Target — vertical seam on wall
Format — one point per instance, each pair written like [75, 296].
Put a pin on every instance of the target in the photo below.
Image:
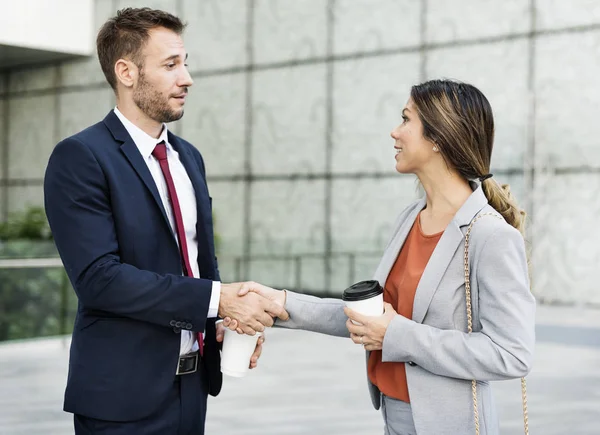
[530, 160]
[57, 98]
[57, 111]
[178, 126]
[423, 49]
[329, 66]
[247, 215]
[4, 139]
[530, 156]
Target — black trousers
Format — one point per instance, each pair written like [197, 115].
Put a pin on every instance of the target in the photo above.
[183, 413]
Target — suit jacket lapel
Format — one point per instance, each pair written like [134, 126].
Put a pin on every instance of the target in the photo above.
[136, 160]
[204, 217]
[444, 252]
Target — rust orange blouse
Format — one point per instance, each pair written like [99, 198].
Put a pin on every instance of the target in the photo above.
[399, 290]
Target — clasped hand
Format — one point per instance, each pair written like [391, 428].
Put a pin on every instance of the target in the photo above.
[248, 308]
[248, 289]
[370, 330]
[251, 310]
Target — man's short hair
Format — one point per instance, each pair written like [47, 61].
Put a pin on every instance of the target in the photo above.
[124, 36]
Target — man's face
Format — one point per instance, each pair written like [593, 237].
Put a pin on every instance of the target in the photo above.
[163, 80]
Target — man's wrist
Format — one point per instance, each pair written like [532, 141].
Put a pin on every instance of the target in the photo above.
[215, 299]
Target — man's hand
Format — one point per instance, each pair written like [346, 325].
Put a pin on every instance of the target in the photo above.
[257, 351]
[220, 331]
[276, 296]
[252, 312]
[371, 329]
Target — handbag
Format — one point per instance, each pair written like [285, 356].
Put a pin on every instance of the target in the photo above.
[470, 328]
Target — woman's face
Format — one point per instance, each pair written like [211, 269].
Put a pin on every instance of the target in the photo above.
[413, 151]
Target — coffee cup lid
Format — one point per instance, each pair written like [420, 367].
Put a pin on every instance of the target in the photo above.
[362, 290]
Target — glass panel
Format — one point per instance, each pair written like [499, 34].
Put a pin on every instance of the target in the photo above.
[35, 302]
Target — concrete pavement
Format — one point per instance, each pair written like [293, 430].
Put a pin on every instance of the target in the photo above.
[309, 383]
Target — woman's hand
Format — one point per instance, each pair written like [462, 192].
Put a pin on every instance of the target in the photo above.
[277, 296]
[370, 330]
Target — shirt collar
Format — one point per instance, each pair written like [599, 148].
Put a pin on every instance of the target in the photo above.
[142, 140]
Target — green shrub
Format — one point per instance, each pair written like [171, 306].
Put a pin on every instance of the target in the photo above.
[30, 225]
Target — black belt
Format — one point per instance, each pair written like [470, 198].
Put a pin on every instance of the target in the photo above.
[188, 363]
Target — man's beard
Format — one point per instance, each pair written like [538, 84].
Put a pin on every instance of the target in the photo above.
[153, 103]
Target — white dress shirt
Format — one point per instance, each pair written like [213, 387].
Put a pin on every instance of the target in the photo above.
[187, 203]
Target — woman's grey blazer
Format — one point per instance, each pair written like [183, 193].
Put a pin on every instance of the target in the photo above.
[441, 357]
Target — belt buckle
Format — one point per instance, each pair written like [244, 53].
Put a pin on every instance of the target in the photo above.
[185, 361]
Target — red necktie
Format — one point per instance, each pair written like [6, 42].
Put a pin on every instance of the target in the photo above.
[160, 153]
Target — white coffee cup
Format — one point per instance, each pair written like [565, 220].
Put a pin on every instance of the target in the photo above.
[365, 297]
[237, 351]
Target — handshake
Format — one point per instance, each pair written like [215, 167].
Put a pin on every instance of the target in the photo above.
[249, 307]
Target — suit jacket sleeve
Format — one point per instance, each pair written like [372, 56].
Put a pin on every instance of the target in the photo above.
[78, 207]
[315, 314]
[503, 348]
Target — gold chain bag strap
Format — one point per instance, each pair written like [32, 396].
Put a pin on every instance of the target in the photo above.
[470, 326]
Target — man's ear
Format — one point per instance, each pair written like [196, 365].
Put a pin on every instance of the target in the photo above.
[126, 72]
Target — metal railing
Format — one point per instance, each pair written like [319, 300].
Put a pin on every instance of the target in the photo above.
[295, 264]
[297, 268]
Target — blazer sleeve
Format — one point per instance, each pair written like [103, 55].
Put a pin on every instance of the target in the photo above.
[503, 348]
[77, 202]
[310, 313]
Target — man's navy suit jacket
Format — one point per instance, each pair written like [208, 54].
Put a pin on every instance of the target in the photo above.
[122, 258]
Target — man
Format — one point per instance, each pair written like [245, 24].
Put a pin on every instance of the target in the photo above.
[130, 212]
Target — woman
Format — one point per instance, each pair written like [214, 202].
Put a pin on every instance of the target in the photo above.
[421, 360]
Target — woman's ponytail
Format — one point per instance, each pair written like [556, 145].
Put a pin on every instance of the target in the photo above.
[500, 198]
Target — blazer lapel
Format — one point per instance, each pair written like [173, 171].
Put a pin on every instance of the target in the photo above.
[391, 253]
[131, 152]
[204, 217]
[435, 269]
[444, 252]
[137, 161]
